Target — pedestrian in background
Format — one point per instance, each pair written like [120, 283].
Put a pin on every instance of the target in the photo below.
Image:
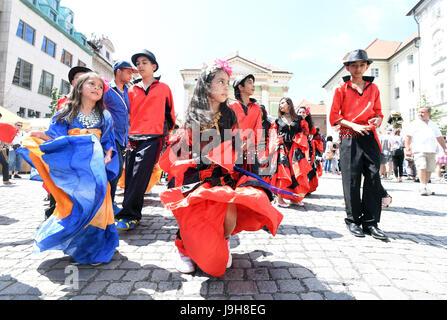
[421, 141]
[329, 154]
[396, 145]
[15, 160]
[386, 159]
[3, 162]
[441, 160]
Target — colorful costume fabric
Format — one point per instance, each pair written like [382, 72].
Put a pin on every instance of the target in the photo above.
[7, 132]
[316, 147]
[199, 195]
[72, 168]
[291, 158]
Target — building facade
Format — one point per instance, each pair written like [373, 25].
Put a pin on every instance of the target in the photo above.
[103, 61]
[271, 83]
[396, 70]
[38, 47]
[431, 18]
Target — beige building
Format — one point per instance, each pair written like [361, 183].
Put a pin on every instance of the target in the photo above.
[431, 18]
[271, 83]
[395, 68]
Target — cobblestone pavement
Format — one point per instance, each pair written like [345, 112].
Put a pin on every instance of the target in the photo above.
[312, 257]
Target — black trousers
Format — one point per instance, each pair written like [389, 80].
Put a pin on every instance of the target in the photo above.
[361, 156]
[5, 167]
[139, 166]
[398, 165]
[114, 183]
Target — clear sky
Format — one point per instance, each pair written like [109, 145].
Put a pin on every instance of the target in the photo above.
[307, 38]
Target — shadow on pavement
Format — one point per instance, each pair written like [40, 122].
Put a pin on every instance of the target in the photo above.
[17, 243]
[312, 231]
[18, 290]
[152, 228]
[6, 221]
[119, 279]
[253, 274]
[420, 238]
[414, 211]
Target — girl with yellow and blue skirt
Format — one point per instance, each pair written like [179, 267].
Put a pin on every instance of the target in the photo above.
[76, 159]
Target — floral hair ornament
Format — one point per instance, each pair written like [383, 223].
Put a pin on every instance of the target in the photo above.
[307, 110]
[224, 65]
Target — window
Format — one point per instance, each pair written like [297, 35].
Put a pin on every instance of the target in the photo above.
[21, 112]
[440, 92]
[396, 93]
[54, 4]
[108, 55]
[49, 47]
[65, 88]
[26, 32]
[438, 44]
[411, 86]
[396, 68]
[375, 72]
[46, 83]
[23, 74]
[81, 64]
[410, 59]
[67, 58]
[53, 15]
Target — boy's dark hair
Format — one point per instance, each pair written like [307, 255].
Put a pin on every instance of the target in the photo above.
[329, 138]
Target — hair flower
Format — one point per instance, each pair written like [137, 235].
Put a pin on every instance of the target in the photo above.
[224, 65]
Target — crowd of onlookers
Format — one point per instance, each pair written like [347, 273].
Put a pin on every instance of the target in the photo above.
[395, 164]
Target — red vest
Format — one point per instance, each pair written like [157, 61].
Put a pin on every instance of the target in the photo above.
[148, 112]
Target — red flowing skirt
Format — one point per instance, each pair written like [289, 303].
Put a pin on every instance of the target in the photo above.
[201, 214]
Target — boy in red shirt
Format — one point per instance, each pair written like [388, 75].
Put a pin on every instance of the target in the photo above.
[357, 109]
[152, 117]
[249, 117]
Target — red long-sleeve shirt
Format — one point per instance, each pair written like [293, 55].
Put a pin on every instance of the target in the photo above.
[151, 111]
[249, 120]
[350, 105]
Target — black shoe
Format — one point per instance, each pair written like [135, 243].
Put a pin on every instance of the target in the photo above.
[16, 176]
[356, 230]
[375, 232]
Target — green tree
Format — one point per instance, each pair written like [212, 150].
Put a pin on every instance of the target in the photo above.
[53, 104]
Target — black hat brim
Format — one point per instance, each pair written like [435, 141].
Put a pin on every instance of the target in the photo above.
[346, 63]
[142, 54]
[75, 70]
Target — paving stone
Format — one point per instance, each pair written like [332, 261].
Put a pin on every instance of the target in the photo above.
[313, 257]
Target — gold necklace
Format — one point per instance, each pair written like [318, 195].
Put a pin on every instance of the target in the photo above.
[215, 123]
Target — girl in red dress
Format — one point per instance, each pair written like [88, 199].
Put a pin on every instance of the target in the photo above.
[291, 154]
[208, 198]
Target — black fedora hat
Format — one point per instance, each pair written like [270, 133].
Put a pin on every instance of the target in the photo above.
[358, 55]
[147, 54]
[75, 70]
[241, 79]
